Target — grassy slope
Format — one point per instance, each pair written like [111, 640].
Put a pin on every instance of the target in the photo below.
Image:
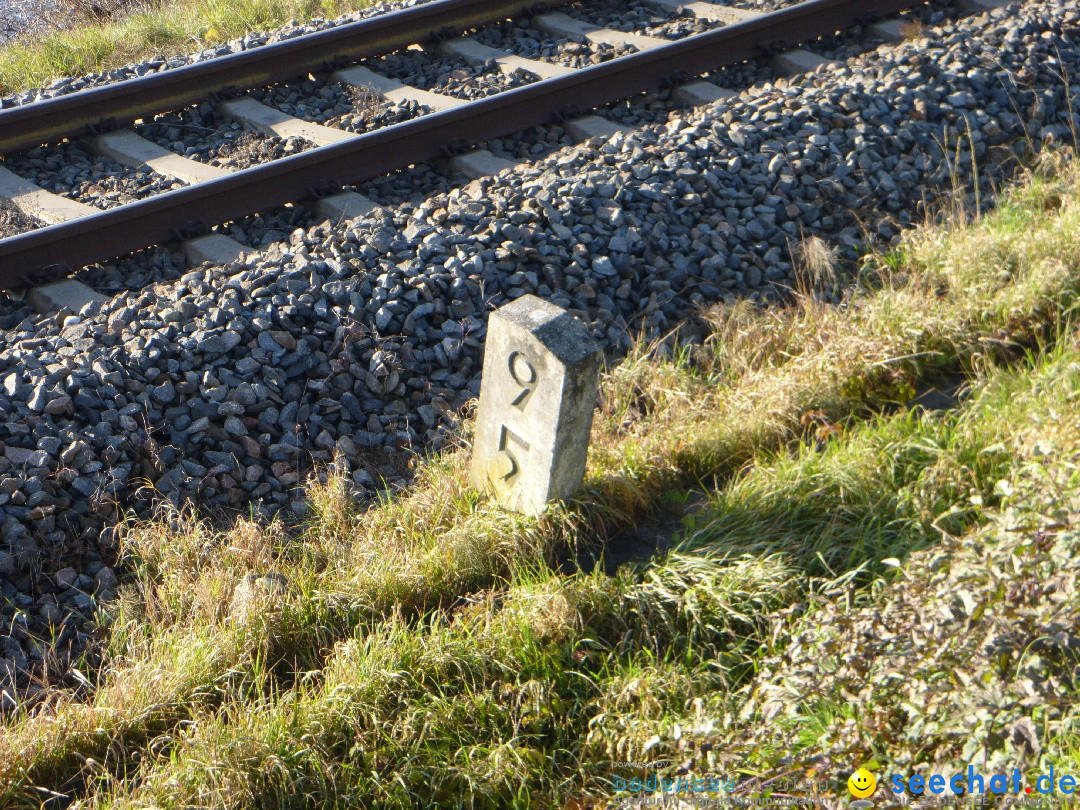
[425, 651]
[158, 28]
[965, 652]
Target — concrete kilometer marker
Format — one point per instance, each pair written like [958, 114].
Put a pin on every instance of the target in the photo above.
[538, 393]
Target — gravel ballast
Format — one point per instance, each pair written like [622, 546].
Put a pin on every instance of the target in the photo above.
[639, 18]
[69, 170]
[224, 386]
[196, 133]
[333, 104]
[521, 38]
[20, 18]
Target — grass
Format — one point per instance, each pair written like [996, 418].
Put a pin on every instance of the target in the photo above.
[964, 656]
[427, 650]
[145, 30]
[479, 706]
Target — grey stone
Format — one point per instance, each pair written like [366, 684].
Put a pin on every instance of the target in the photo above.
[235, 427]
[51, 613]
[164, 393]
[39, 399]
[105, 579]
[21, 456]
[66, 577]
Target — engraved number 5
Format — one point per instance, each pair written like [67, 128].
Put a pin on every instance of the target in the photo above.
[506, 436]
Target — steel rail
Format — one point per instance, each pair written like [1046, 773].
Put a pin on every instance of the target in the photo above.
[54, 251]
[114, 105]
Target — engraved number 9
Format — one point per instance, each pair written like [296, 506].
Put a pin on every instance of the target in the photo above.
[523, 373]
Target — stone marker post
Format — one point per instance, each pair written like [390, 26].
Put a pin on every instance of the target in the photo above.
[538, 392]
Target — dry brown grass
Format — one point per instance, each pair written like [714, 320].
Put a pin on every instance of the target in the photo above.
[911, 29]
[816, 266]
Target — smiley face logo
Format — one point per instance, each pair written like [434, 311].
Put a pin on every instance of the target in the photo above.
[862, 784]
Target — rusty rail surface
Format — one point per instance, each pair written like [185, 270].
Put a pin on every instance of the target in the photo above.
[55, 251]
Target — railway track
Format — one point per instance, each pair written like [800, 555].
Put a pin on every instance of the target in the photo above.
[76, 234]
[225, 384]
